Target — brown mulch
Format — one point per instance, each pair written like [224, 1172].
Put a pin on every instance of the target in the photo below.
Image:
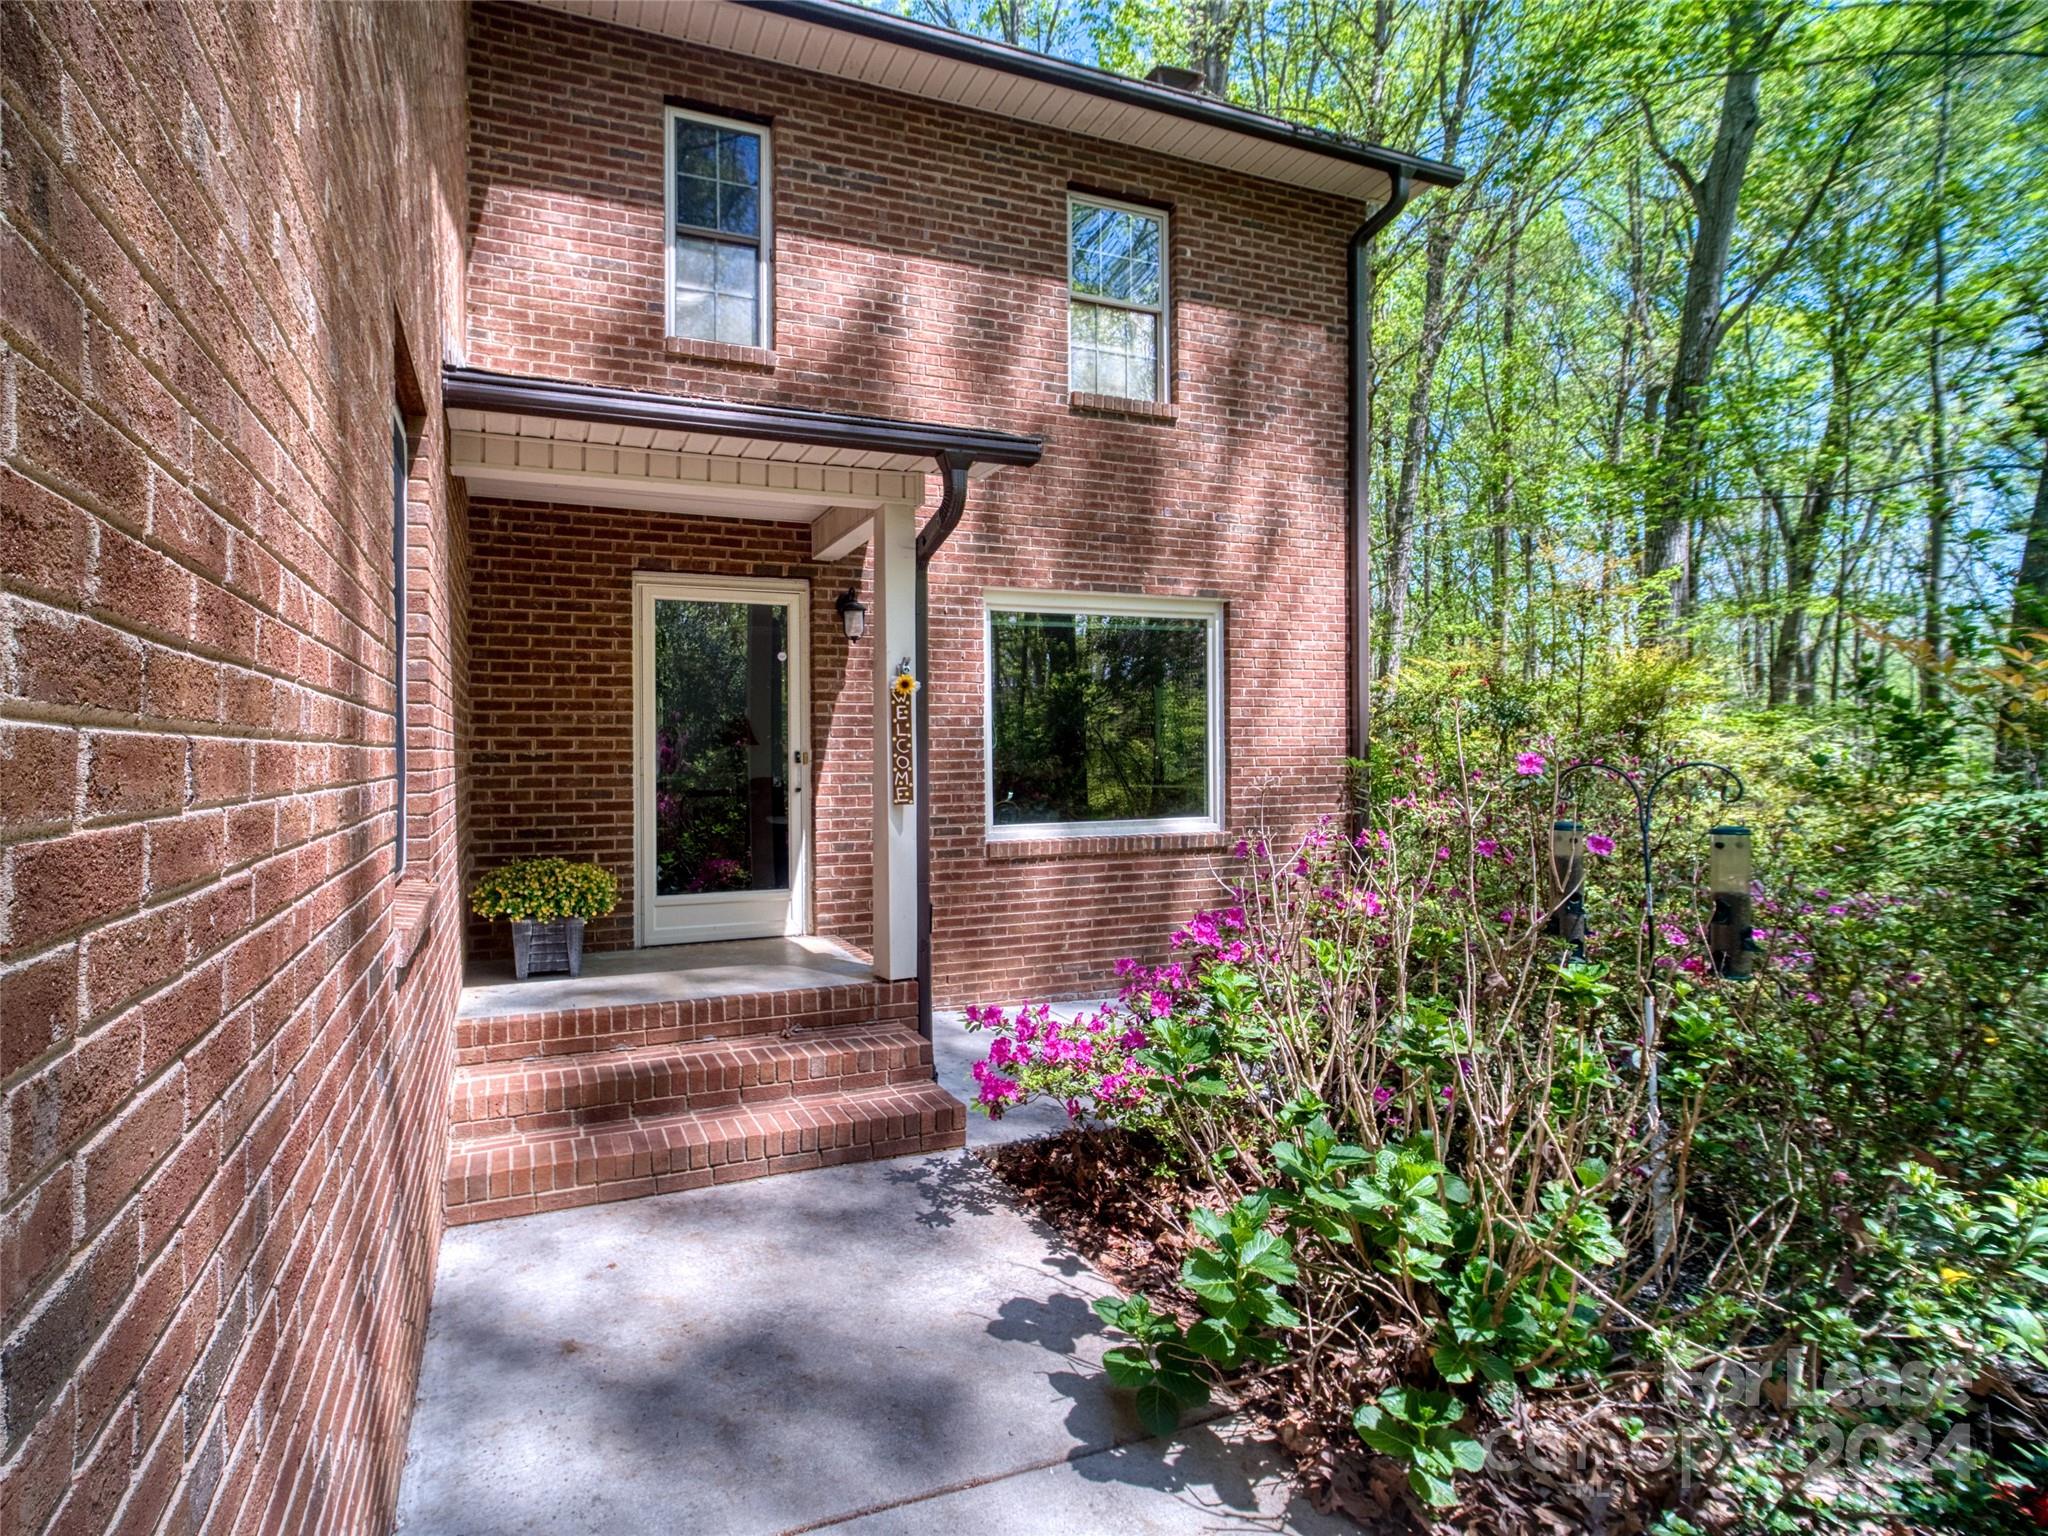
[1111, 1195]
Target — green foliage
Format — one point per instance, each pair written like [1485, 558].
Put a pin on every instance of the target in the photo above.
[1420, 1430]
[1159, 1366]
[544, 891]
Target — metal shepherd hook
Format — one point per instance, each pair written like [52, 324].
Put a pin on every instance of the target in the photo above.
[1731, 953]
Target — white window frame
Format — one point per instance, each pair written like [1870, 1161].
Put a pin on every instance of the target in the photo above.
[764, 270]
[1160, 391]
[1105, 605]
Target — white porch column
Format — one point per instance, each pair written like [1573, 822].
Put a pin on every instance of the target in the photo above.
[893, 641]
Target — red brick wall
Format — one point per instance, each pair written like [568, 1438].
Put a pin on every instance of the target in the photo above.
[551, 632]
[224, 1106]
[921, 260]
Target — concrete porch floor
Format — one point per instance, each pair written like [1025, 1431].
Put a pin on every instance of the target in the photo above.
[883, 1348]
[671, 973]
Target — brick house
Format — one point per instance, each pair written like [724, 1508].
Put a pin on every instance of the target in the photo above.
[434, 436]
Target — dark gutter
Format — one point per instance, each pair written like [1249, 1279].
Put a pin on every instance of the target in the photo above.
[474, 389]
[944, 519]
[879, 26]
[1358, 287]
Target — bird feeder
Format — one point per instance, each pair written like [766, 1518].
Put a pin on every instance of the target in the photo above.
[1568, 875]
[1730, 940]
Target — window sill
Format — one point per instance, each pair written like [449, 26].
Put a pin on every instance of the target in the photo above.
[1163, 411]
[412, 917]
[719, 352]
[1114, 845]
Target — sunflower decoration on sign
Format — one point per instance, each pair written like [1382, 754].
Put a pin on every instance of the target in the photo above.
[902, 740]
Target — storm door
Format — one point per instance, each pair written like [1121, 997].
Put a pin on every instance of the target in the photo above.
[722, 766]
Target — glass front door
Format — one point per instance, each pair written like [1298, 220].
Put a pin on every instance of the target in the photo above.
[721, 769]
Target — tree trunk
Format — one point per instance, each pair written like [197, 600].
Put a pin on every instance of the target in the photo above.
[1504, 451]
[1212, 34]
[1442, 220]
[1667, 528]
[1940, 503]
[1791, 660]
[2023, 732]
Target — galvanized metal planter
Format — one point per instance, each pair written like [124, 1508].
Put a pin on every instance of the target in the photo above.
[546, 947]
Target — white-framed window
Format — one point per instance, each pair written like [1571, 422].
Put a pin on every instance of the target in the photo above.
[1104, 714]
[720, 228]
[1117, 335]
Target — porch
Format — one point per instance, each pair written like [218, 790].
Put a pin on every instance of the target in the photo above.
[661, 683]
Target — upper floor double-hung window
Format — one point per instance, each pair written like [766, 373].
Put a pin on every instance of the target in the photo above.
[1116, 311]
[720, 238]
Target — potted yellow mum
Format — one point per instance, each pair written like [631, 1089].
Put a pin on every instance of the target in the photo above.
[547, 902]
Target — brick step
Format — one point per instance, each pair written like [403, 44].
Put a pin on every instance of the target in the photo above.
[483, 1037]
[544, 1171]
[498, 1099]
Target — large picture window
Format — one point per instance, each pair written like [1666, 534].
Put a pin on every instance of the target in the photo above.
[1104, 715]
[719, 236]
[1116, 314]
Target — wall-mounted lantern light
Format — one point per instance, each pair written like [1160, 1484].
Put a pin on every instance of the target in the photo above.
[853, 614]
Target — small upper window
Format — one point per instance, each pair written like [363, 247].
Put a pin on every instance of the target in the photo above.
[1105, 714]
[718, 229]
[1116, 325]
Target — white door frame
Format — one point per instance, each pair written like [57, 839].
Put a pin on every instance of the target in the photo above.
[745, 914]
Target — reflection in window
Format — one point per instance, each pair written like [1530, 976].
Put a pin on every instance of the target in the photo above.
[718, 229]
[720, 743]
[1100, 717]
[1117, 313]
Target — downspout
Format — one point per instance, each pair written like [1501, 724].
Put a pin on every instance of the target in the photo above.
[1359, 287]
[945, 518]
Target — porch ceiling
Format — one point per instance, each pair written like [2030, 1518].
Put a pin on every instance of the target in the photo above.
[530, 439]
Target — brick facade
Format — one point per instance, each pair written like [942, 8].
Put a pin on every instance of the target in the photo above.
[920, 272]
[231, 239]
[225, 1105]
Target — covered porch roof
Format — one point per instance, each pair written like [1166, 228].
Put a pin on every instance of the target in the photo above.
[528, 438]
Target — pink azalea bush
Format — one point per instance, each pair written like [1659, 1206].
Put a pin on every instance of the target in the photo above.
[1440, 1134]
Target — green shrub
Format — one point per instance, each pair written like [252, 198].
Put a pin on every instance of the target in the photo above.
[545, 891]
[1430, 1149]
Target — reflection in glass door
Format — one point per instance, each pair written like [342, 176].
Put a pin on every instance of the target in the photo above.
[721, 759]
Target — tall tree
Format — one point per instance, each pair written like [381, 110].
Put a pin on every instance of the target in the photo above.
[1714, 196]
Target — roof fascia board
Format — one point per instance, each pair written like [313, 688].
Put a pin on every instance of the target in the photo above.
[880, 26]
[479, 390]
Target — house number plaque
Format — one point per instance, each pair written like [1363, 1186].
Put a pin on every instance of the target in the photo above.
[902, 741]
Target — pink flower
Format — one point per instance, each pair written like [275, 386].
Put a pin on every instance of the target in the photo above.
[1674, 936]
[996, 1091]
[1599, 844]
[1486, 847]
[1529, 764]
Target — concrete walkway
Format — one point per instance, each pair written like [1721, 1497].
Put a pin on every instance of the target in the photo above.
[878, 1349]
